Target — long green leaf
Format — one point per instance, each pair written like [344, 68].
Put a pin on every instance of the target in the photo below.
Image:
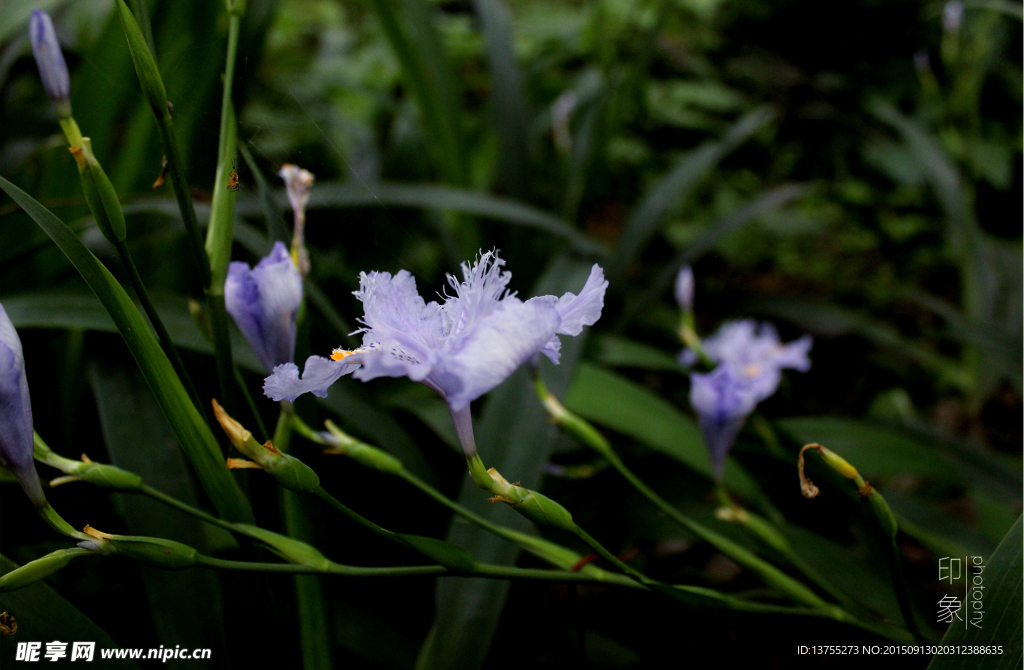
[1002, 606]
[766, 201]
[410, 31]
[514, 436]
[441, 198]
[43, 615]
[612, 401]
[192, 432]
[678, 184]
[508, 102]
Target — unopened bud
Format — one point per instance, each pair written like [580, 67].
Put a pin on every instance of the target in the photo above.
[39, 569]
[288, 548]
[50, 59]
[684, 288]
[533, 505]
[155, 551]
[289, 471]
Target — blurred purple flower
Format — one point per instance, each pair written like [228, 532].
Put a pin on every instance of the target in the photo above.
[684, 288]
[264, 302]
[461, 349]
[750, 361]
[49, 58]
[16, 413]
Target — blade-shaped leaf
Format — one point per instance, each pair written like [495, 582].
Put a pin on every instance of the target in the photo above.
[441, 198]
[677, 184]
[509, 104]
[192, 432]
[612, 401]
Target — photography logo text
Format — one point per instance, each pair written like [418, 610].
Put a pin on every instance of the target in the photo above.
[968, 574]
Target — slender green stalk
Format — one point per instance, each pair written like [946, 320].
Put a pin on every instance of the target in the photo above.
[333, 569]
[358, 518]
[220, 232]
[158, 325]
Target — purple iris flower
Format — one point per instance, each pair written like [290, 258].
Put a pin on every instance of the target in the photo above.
[52, 68]
[461, 349]
[264, 302]
[750, 361]
[16, 413]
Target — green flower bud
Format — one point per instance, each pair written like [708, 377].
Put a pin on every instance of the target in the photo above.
[145, 66]
[155, 551]
[292, 473]
[288, 548]
[39, 569]
[535, 506]
[99, 193]
[541, 509]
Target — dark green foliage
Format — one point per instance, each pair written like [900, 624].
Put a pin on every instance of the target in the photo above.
[851, 170]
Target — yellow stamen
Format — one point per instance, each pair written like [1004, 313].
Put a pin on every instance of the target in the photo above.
[341, 354]
[752, 370]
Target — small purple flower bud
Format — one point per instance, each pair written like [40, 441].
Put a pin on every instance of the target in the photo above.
[684, 288]
[264, 302]
[16, 413]
[921, 61]
[52, 68]
[952, 16]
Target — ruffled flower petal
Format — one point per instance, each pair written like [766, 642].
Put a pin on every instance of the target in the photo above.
[285, 384]
[494, 350]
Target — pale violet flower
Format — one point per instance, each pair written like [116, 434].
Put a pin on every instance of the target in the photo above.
[16, 413]
[461, 349]
[264, 302]
[52, 69]
[684, 288]
[750, 361]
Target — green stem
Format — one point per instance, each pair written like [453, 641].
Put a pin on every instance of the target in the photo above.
[358, 518]
[57, 522]
[158, 325]
[612, 558]
[182, 193]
